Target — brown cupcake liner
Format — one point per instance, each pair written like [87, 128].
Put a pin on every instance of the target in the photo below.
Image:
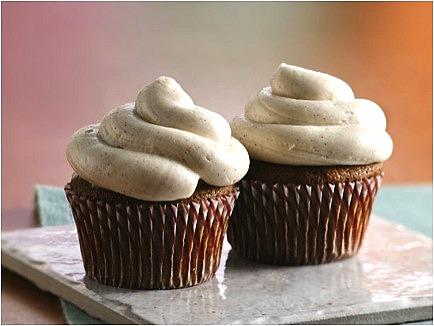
[287, 224]
[151, 246]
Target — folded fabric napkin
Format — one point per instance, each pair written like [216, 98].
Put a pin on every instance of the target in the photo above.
[407, 205]
[53, 209]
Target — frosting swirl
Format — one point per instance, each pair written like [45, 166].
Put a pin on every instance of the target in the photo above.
[311, 118]
[159, 147]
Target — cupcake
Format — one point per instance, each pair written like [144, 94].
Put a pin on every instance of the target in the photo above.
[316, 165]
[153, 190]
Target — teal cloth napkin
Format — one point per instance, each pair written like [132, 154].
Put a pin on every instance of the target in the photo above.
[53, 209]
[410, 205]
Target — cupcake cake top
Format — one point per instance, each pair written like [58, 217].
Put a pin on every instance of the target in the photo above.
[311, 118]
[157, 148]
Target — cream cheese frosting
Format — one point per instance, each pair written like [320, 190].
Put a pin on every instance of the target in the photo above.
[311, 118]
[157, 148]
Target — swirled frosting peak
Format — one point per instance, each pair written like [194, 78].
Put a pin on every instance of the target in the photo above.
[311, 118]
[157, 148]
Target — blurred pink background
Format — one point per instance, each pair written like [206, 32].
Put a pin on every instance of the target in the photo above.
[64, 65]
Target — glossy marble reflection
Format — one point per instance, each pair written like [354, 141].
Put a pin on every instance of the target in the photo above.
[392, 272]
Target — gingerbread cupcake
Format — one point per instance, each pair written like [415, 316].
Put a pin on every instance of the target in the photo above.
[316, 166]
[153, 190]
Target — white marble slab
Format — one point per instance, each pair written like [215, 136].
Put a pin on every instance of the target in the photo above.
[389, 281]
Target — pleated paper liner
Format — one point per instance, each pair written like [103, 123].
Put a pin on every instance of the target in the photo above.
[151, 246]
[287, 224]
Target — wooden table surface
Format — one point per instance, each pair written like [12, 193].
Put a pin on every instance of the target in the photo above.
[64, 65]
